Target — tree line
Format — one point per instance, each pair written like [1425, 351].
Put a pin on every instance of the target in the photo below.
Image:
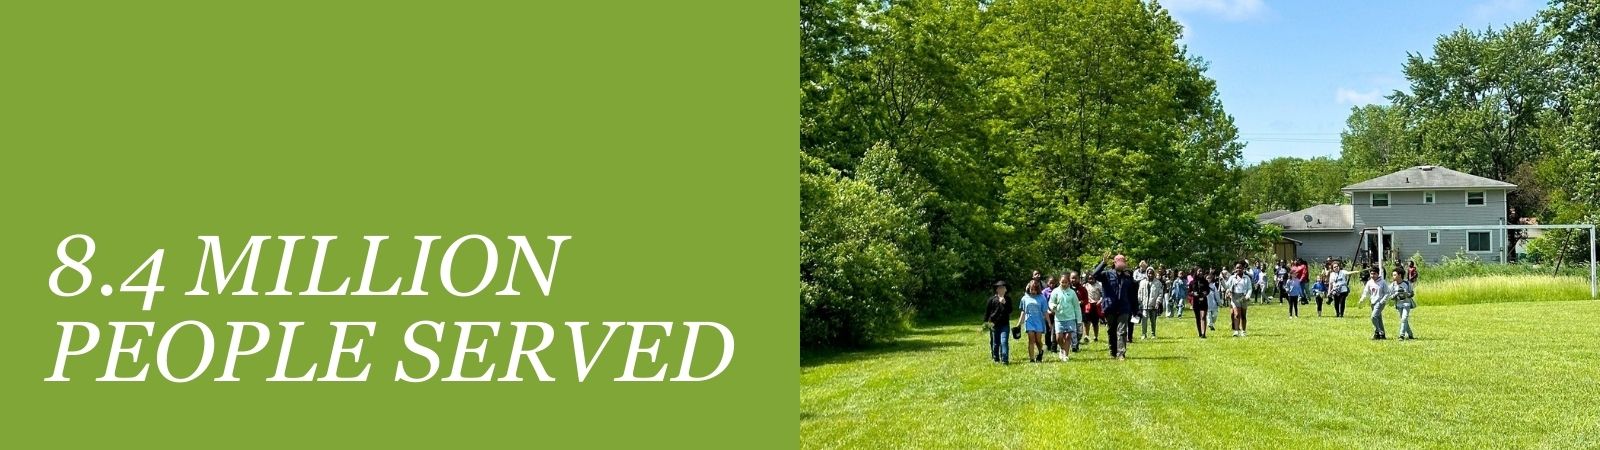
[948, 144]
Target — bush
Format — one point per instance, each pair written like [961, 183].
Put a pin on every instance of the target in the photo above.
[854, 270]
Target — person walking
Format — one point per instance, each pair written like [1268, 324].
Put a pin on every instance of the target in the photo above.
[1405, 300]
[1339, 287]
[1295, 290]
[997, 319]
[1093, 310]
[1300, 272]
[1066, 315]
[1119, 301]
[1049, 319]
[1032, 319]
[1379, 293]
[1199, 293]
[1239, 288]
[1152, 296]
[1258, 275]
[1319, 291]
[1213, 297]
[1179, 294]
[1411, 272]
[1282, 278]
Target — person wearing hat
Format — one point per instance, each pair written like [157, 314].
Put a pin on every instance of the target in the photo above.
[997, 319]
[1119, 300]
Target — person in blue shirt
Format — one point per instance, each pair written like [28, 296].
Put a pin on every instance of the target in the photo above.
[1179, 294]
[1032, 317]
[1319, 291]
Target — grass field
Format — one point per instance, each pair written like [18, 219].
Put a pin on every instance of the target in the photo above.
[1501, 375]
[1502, 288]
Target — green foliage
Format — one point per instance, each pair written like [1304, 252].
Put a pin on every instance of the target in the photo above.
[988, 139]
[854, 261]
[1293, 183]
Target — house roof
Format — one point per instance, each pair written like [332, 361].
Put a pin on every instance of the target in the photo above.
[1323, 218]
[1273, 214]
[1427, 177]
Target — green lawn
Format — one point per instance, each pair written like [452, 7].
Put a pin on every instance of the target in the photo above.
[1515, 375]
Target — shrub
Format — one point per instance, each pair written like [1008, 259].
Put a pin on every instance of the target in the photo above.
[854, 271]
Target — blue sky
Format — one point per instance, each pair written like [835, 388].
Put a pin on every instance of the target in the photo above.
[1289, 71]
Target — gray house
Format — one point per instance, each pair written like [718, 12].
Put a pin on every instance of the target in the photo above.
[1420, 196]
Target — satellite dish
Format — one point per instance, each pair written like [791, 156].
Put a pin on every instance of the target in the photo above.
[1308, 218]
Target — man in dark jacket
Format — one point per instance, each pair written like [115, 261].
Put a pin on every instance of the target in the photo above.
[1119, 300]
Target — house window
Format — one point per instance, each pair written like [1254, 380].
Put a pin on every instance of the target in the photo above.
[1475, 198]
[1380, 199]
[1433, 237]
[1427, 198]
[1478, 241]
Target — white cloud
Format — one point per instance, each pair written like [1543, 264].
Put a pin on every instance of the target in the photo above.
[1226, 9]
[1355, 97]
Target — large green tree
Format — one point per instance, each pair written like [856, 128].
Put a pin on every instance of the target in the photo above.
[988, 139]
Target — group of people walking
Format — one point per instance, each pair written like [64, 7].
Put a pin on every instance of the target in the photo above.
[1059, 314]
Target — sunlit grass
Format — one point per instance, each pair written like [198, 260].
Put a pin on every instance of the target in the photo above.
[1505, 375]
[1502, 288]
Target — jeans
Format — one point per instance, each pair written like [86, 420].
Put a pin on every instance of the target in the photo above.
[1175, 306]
[1000, 344]
[1121, 326]
[1147, 326]
[1405, 324]
[1211, 313]
[1377, 318]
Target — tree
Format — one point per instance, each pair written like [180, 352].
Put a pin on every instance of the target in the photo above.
[946, 144]
[1478, 103]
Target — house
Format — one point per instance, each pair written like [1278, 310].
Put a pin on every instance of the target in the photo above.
[1420, 196]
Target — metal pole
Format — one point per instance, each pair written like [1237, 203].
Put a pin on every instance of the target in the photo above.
[1503, 241]
[1594, 290]
[1381, 272]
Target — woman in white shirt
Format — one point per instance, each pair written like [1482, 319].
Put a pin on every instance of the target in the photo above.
[1338, 287]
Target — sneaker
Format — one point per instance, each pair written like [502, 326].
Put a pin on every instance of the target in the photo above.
[1235, 334]
[1243, 334]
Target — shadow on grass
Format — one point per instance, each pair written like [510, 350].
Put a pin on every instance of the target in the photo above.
[904, 345]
